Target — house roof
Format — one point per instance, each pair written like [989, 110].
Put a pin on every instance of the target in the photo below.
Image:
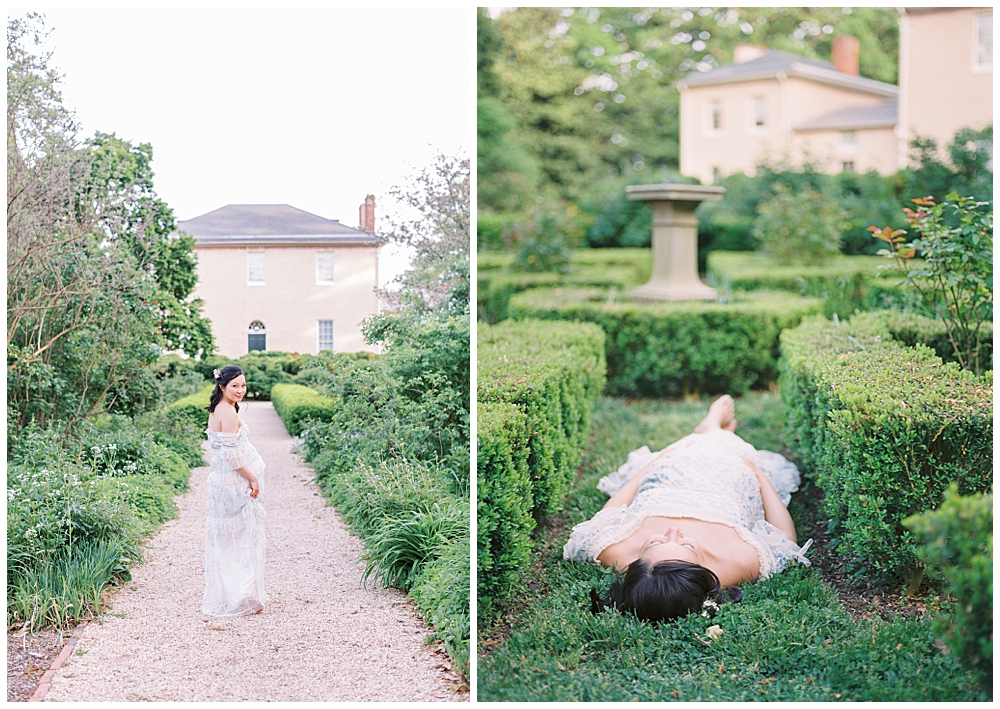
[269, 224]
[773, 62]
[882, 115]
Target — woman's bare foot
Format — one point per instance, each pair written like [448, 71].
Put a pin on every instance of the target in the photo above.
[720, 415]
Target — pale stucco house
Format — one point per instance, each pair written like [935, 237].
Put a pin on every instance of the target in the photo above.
[273, 277]
[945, 72]
[772, 106]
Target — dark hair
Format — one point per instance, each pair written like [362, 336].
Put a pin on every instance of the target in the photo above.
[227, 375]
[663, 591]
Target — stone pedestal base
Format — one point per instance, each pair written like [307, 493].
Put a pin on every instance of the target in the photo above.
[665, 291]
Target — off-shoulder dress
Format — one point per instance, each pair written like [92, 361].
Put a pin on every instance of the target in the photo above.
[234, 528]
[703, 478]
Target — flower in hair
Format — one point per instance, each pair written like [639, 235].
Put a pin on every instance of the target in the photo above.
[711, 608]
[217, 373]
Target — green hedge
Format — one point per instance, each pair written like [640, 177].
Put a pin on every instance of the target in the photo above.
[671, 349]
[623, 269]
[297, 404]
[538, 383]
[956, 541]
[190, 411]
[846, 283]
[883, 428]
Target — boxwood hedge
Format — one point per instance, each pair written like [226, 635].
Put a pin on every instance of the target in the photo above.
[956, 543]
[883, 428]
[297, 405]
[538, 383]
[846, 283]
[670, 349]
[190, 411]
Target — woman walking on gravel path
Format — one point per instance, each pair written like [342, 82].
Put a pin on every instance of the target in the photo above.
[234, 526]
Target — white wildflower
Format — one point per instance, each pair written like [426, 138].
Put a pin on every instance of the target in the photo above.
[714, 632]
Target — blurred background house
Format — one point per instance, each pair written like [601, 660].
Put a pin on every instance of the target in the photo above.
[273, 277]
[771, 106]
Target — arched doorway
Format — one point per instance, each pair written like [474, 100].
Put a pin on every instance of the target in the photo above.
[256, 337]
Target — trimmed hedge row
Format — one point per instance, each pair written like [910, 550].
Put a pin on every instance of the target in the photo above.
[608, 268]
[538, 383]
[883, 428]
[956, 541]
[670, 349]
[297, 405]
[846, 283]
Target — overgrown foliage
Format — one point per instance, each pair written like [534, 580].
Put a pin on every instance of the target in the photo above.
[672, 349]
[956, 542]
[955, 275]
[538, 382]
[95, 282]
[882, 428]
[801, 228]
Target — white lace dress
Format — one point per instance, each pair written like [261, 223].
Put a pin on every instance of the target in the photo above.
[701, 478]
[234, 529]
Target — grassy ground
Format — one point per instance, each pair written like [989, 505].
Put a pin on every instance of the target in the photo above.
[790, 639]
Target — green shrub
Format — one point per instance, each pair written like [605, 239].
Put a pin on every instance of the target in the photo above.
[503, 517]
[610, 268]
[553, 372]
[538, 383]
[799, 227]
[956, 541]
[190, 411]
[671, 349]
[441, 591]
[845, 283]
[882, 428]
[297, 405]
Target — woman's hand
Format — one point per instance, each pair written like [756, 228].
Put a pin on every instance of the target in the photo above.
[254, 487]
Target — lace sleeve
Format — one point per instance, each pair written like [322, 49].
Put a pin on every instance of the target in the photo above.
[782, 473]
[773, 547]
[610, 484]
[231, 449]
[588, 539]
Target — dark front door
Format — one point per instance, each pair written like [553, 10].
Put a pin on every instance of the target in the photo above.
[256, 343]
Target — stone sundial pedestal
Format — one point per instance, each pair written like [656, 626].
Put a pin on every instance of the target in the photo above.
[675, 241]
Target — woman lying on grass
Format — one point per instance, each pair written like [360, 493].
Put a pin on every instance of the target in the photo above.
[706, 512]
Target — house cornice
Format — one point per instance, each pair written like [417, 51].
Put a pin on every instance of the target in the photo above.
[802, 71]
[288, 240]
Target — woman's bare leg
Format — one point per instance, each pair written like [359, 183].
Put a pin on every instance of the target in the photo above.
[720, 415]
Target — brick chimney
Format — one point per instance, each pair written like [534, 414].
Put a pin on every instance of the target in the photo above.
[844, 52]
[366, 215]
[747, 52]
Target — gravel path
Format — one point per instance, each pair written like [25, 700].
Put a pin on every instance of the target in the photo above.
[323, 637]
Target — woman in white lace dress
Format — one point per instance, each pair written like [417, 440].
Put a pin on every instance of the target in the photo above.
[706, 512]
[234, 526]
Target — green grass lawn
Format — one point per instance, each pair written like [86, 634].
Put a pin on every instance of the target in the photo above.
[790, 638]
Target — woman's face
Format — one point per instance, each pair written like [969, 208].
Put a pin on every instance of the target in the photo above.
[672, 545]
[236, 389]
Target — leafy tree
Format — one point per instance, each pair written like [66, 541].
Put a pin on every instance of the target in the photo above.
[799, 227]
[438, 278]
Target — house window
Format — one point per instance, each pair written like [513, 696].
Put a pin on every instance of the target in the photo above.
[759, 110]
[255, 268]
[984, 40]
[256, 337]
[325, 335]
[850, 137]
[716, 174]
[716, 115]
[847, 166]
[324, 268]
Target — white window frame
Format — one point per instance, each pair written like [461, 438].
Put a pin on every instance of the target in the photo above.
[759, 112]
[978, 65]
[844, 166]
[320, 281]
[319, 336]
[250, 272]
[850, 137]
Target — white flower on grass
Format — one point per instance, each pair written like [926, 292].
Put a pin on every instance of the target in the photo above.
[714, 632]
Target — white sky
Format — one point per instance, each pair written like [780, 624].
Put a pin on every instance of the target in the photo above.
[313, 107]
